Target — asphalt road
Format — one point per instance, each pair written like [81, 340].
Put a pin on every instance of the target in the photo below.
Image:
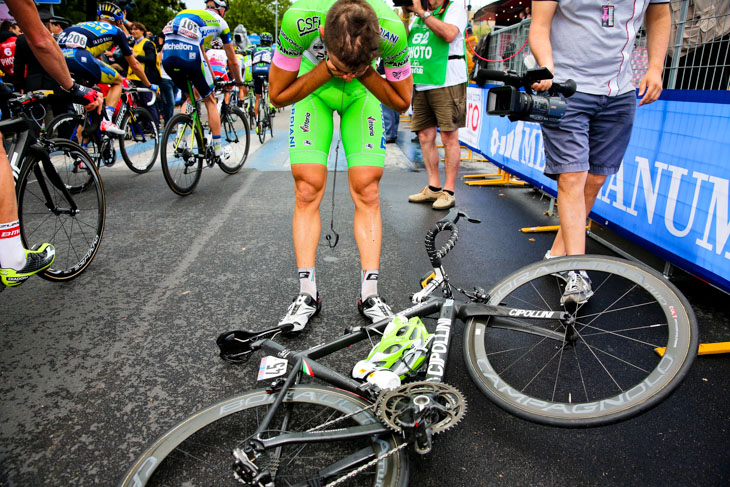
[94, 370]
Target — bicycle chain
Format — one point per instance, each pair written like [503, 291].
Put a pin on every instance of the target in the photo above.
[367, 465]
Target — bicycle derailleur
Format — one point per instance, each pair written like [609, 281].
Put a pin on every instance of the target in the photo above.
[247, 473]
[420, 410]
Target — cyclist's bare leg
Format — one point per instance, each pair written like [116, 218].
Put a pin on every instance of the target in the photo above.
[309, 184]
[8, 202]
[256, 105]
[115, 93]
[367, 224]
[214, 118]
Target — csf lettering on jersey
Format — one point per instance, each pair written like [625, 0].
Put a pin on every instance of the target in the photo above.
[308, 25]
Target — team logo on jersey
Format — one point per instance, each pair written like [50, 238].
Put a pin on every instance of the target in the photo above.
[291, 129]
[388, 36]
[308, 25]
[307, 120]
[371, 125]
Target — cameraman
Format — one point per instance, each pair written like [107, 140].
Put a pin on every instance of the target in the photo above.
[436, 45]
[588, 143]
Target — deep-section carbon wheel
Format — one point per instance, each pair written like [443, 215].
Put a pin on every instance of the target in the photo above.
[140, 143]
[182, 160]
[198, 451]
[603, 368]
[49, 211]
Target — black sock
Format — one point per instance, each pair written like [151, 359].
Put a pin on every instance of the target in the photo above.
[434, 189]
[450, 192]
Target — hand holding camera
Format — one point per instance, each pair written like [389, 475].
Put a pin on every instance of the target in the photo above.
[544, 106]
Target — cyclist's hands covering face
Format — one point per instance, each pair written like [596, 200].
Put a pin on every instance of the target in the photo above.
[343, 73]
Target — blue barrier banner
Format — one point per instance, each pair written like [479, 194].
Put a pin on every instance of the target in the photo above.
[671, 193]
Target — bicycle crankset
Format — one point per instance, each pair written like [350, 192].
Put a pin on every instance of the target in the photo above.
[421, 409]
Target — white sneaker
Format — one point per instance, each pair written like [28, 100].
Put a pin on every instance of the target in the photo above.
[110, 127]
[297, 315]
[375, 308]
[577, 289]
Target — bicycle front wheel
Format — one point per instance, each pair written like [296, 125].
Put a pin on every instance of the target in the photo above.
[198, 450]
[182, 156]
[603, 368]
[73, 221]
[139, 144]
[236, 138]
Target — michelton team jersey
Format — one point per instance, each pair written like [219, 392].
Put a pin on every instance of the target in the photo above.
[300, 47]
[199, 27]
[96, 37]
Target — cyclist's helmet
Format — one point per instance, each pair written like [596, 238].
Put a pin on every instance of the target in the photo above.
[219, 3]
[266, 39]
[402, 349]
[109, 11]
[216, 43]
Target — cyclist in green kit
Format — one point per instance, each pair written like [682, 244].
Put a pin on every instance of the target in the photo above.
[324, 63]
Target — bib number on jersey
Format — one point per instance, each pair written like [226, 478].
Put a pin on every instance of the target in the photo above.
[74, 39]
[189, 29]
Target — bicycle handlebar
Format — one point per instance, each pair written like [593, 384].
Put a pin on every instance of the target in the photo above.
[139, 89]
[446, 223]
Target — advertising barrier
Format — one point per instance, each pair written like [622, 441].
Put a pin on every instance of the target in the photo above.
[671, 193]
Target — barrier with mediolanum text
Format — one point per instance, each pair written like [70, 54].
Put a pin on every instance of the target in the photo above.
[671, 193]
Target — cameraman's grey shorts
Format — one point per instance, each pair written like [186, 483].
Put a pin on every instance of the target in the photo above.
[592, 136]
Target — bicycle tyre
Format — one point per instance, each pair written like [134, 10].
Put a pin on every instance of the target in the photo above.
[610, 371]
[269, 118]
[182, 450]
[140, 143]
[237, 138]
[68, 126]
[181, 166]
[261, 121]
[76, 236]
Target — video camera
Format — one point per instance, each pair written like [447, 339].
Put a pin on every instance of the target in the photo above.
[523, 105]
[408, 3]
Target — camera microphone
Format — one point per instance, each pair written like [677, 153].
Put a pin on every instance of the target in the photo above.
[566, 88]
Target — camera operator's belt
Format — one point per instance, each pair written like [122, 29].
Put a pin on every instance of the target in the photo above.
[456, 56]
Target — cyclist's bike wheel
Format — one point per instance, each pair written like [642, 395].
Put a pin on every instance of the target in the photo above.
[198, 450]
[236, 139]
[261, 121]
[73, 221]
[70, 126]
[139, 144]
[603, 369]
[182, 155]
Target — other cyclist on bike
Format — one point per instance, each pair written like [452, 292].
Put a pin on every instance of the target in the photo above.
[260, 63]
[218, 60]
[183, 58]
[17, 264]
[82, 43]
[319, 80]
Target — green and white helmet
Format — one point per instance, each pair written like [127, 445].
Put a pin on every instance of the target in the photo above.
[402, 349]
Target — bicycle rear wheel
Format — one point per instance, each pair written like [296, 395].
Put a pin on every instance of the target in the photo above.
[261, 121]
[72, 221]
[606, 371]
[236, 136]
[182, 157]
[198, 450]
[70, 126]
[140, 143]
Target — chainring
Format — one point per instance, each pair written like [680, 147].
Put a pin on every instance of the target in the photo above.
[393, 407]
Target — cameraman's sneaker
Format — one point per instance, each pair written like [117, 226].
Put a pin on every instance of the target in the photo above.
[35, 262]
[107, 126]
[424, 196]
[374, 308]
[577, 289]
[300, 311]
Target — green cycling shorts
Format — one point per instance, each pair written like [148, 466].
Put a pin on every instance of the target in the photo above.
[311, 125]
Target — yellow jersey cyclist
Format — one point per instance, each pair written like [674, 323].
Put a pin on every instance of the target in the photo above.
[324, 62]
[83, 43]
[261, 59]
[183, 57]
